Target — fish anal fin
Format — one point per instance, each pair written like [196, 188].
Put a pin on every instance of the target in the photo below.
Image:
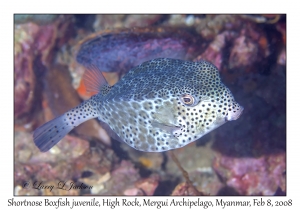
[93, 79]
[110, 132]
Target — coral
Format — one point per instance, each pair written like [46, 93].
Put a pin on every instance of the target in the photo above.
[243, 53]
[97, 181]
[186, 157]
[282, 57]
[39, 19]
[184, 189]
[34, 46]
[249, 47]
[253, 176]
[66, 161]
[213, 25]
[123, 177]
[148, 185]
[214, 52]
[103, 22]
[141, 20]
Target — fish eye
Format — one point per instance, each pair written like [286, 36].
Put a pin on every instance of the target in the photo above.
[187, 99]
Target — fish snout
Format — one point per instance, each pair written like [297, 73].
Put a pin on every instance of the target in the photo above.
[235, 113]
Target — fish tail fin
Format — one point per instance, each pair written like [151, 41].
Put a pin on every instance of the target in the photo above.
[49, 134]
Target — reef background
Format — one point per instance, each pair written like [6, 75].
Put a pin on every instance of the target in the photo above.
[243, 157]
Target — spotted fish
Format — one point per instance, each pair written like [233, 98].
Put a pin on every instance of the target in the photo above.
[159, 105]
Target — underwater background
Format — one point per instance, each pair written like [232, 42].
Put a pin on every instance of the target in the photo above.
[243, 157]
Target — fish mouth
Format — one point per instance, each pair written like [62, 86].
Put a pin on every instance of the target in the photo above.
[239, 113]
[235, 115]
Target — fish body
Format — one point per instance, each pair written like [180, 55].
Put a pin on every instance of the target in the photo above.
[159, 105]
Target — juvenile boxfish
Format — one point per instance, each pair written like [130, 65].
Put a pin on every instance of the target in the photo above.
[159, 105]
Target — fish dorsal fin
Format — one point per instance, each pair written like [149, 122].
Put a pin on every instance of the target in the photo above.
[93, 79]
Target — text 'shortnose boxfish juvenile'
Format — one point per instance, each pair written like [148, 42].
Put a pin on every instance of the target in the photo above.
[159, 105]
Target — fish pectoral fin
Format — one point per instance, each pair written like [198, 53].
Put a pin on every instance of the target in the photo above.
[169, 128]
